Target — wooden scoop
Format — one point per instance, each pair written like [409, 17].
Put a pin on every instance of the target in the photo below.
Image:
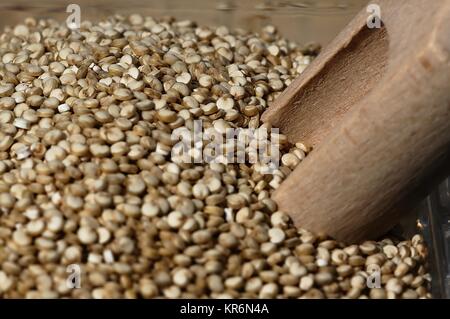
[375, 106]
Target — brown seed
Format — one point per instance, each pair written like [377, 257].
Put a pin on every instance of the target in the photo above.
[6, 90]
[167, 116]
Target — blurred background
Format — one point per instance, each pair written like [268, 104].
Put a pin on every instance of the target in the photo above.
[304, 21]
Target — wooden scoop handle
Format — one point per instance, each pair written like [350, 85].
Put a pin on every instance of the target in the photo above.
[375, 105]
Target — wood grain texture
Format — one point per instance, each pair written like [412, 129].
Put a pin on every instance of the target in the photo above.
[379, 135]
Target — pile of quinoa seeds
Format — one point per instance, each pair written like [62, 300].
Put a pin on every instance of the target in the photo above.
[87, 179]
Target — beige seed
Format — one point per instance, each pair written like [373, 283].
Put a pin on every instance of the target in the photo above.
[273, 50]
[401, 270]
[358, 282]
[296, 269]
[290, 160]
[55, 153]
[306, 282]
[200, 191]
[225, 103]
[147, 288]
[175, 219]
[181, 277]
[184, 78]
[226, 53]
[134, 73]
[221, 126]
[368, 248]
[7, 103]
[150, 210]
[206, 81]
[339, 257]
[123, 94]
[21, 238]
[56, 68]
[279, 219]
[5, 282]
[356, 261]
[21, 123]
[136, 185]
[236, 201]
[269, 290]
[87, 235]
[410, 294]
[234, 283]
[324, 278]
[23, 152]
[108, 256]
[99, 150]
[193, 58]
[390, 251]
[104, 235]
[35, 227]
[21, 31]
[201, 236]
[228, 240]
[63, 108]
[377, 293]
[394, 285]
[276, 235]
[79, 149]
[238, 92]
[55, 223]
[172, 292]
[74, 202]
[215, 283]
[5, 142]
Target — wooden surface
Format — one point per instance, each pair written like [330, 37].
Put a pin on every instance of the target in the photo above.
[376, 106]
